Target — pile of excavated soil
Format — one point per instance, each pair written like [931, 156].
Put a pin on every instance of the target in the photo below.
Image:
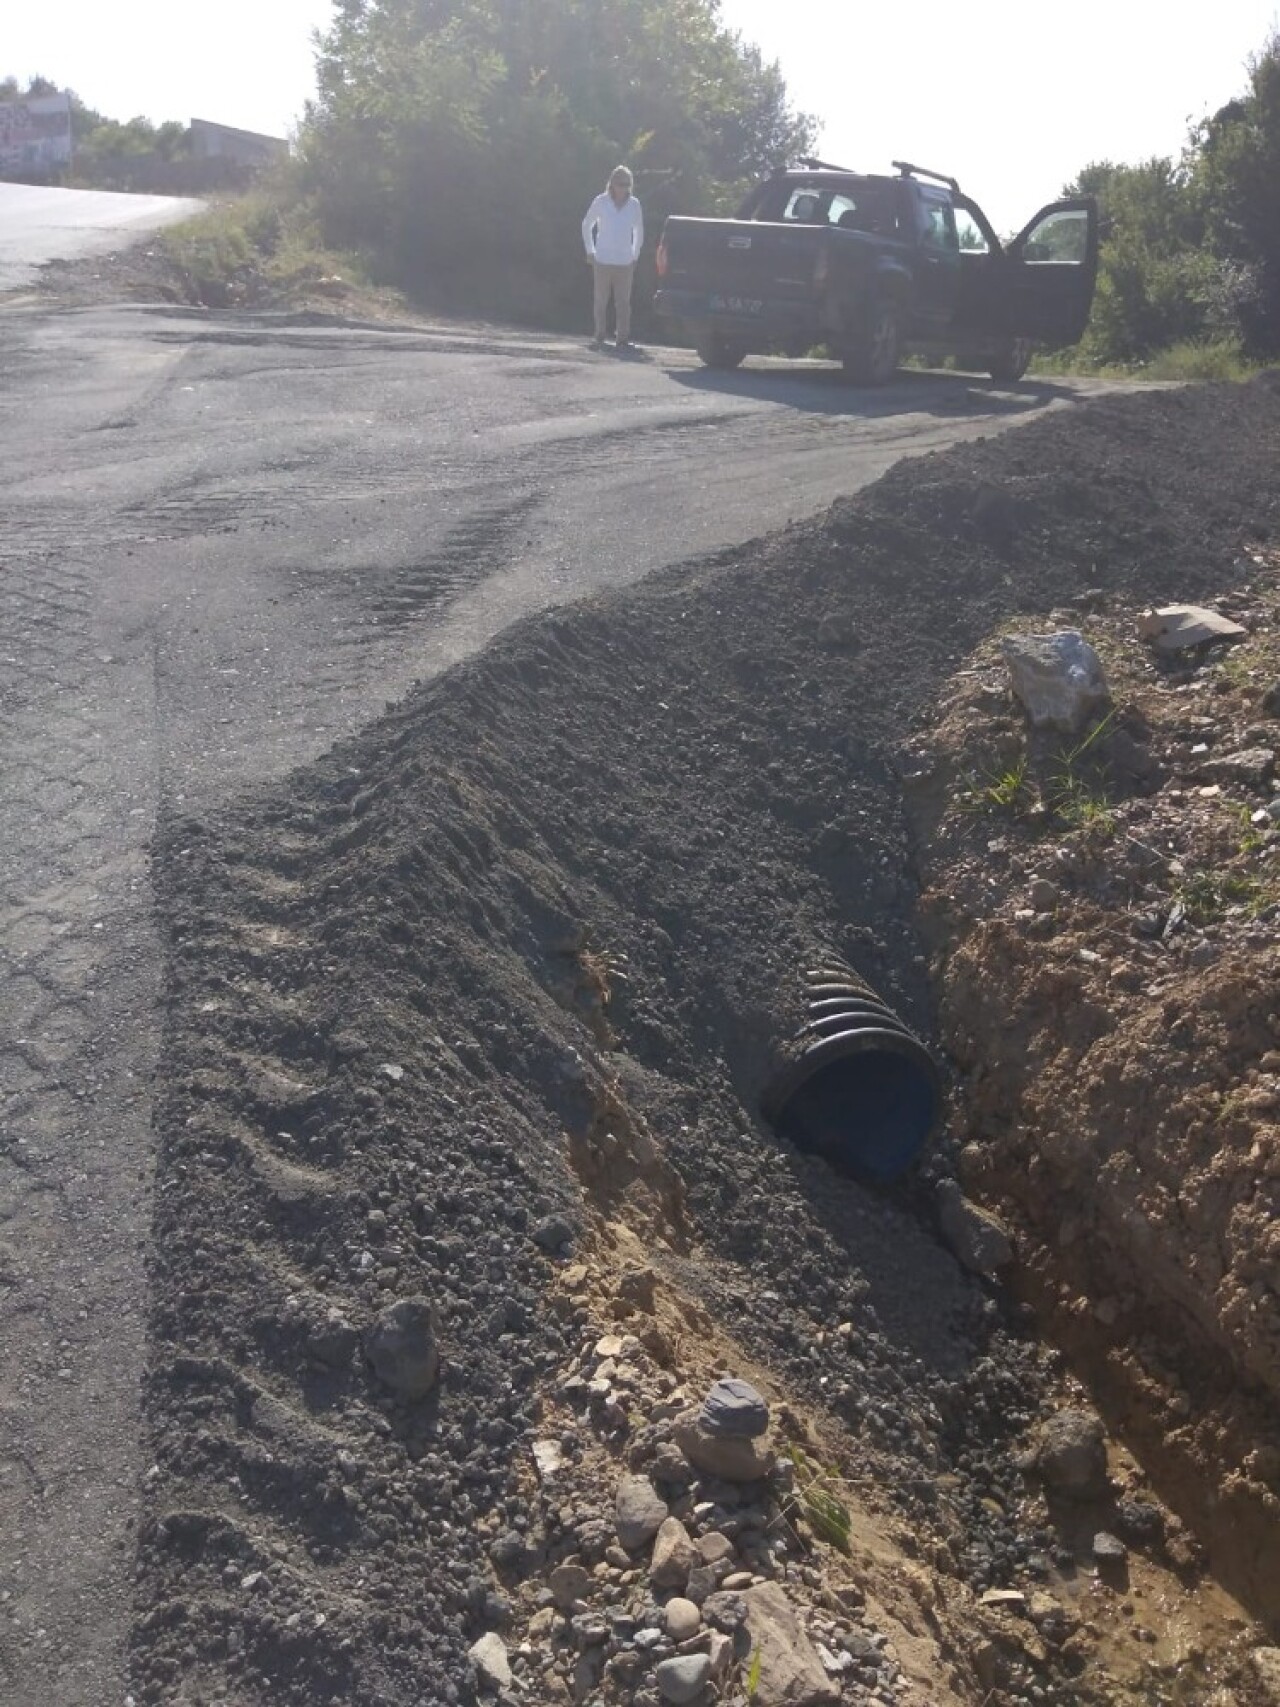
[485, 1000]
[1108, 969]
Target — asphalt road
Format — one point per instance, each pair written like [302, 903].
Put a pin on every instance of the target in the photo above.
[227, 543]
[39, 225]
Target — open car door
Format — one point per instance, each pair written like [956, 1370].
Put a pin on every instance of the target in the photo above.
[1049, 274]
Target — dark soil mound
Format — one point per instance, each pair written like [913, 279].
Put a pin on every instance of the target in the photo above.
[391, 1068]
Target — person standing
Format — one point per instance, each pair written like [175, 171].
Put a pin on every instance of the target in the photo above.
[613, 232]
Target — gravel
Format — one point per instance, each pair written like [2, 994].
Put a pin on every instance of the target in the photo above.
[558, 889]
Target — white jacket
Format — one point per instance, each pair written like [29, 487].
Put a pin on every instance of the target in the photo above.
[614, 235]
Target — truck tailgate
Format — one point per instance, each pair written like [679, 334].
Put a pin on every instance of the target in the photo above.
[743, 258]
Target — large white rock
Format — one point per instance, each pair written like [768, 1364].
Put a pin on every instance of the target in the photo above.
[1058, 678]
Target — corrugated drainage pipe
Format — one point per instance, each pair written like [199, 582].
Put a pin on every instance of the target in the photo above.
[854, 1085]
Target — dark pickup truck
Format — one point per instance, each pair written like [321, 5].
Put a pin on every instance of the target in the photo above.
[873, 267]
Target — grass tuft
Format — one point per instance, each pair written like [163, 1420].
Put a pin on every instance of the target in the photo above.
[822, 1508]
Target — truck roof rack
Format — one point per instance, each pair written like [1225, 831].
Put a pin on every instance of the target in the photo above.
[810, 165]
[906, 170]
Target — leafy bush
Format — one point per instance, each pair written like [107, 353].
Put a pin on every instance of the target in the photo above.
[460, 143]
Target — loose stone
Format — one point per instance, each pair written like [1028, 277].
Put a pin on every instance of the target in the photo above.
[681, 1680]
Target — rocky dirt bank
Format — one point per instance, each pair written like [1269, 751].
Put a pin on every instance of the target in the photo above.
[1107, 905]
[468, 1020]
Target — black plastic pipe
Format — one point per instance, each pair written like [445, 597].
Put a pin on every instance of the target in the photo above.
[853, 1084]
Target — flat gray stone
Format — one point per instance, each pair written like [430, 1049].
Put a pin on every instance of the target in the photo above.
[735, 1407]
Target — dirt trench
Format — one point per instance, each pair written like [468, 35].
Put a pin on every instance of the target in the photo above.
[484, 996]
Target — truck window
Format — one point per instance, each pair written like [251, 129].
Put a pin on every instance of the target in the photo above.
[939, 226]
[803, 207]
[1061, 238]
[971, 237]
[857, 208]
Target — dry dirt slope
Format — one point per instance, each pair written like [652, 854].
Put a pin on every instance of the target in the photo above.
[677, 795]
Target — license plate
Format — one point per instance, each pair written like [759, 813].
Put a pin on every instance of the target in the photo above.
[737, 305]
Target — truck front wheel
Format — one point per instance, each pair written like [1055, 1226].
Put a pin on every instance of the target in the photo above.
[715, 350]
[872, 358]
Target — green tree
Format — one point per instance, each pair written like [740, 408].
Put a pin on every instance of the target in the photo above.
[1157, 285]
[1236, 183]
[458, 141]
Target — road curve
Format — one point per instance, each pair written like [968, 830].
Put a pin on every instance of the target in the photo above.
[228, 542]
[39, 225]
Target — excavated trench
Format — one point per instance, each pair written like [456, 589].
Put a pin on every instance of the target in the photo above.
[500, 987]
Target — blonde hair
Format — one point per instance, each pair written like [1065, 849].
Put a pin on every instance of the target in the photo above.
[621, 175]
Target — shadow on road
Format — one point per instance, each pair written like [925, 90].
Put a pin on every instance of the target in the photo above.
[825, 391]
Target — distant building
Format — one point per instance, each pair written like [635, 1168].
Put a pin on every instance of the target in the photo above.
[238, 147]
[35, 134]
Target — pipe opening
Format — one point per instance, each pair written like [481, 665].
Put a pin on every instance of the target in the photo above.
[866, 1102]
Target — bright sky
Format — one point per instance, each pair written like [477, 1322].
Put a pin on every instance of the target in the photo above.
[1012, 98]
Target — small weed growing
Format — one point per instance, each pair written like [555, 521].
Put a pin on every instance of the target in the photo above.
[1010, 790]
[1077, 792]
[753, 1675]
[824, 1511]
[1206, 896]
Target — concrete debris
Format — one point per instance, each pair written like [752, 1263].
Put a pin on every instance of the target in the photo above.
[548, 1457]
[1181, 628]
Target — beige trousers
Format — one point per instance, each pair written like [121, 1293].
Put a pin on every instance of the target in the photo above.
[615, 280]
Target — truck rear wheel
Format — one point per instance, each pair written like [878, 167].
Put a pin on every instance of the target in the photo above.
[715, 350]
[1011, 361]
[872, 358]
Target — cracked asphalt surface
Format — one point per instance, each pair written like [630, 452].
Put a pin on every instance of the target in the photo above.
[228, 542]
